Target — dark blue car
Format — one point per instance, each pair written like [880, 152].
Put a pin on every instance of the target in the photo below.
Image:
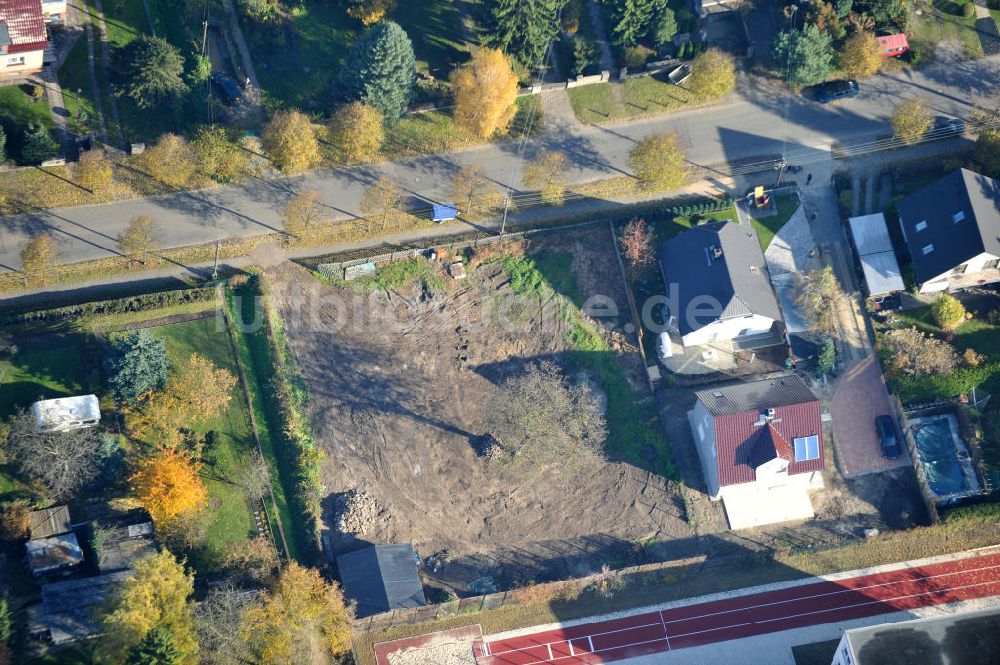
[834, 90]
[227, 88]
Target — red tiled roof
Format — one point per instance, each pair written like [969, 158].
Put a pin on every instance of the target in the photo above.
[894, 44]
[25, 25]
[742, 444]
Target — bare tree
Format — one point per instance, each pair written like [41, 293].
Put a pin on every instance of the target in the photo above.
[139, 238]
[539, 415]
[819, 293]
[302, 213]
[637, 242]
[253, 476]
[382, 198]
[63, 461]
[910, 351]
[218, 620]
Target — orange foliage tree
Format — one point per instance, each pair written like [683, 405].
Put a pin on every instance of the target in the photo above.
[168, 485]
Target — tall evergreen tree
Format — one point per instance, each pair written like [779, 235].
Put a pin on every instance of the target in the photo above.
[804, 55]
[138, 365]
[523, 28]
[157, 648]
[380, 69]
[148, 70]
[634, 18]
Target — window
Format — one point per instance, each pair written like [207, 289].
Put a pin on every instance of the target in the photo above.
[958, 217]
[990, 265]
[921, 226]
[15, 60]
[959, 270]
[806, 448]
[927, 249]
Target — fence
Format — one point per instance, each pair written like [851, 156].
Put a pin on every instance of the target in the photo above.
[336, 269]
[930, 499]
[493, 601]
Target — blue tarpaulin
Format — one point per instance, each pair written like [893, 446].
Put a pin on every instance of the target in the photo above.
[444, 213]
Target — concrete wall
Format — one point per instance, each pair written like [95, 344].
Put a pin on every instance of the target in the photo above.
[12, 68]
[703, 430]
[728, 329]
[603, 77]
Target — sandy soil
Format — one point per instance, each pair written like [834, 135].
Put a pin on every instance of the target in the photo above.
[400, 384]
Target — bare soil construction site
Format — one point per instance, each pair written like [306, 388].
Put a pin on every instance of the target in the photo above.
[400, 382]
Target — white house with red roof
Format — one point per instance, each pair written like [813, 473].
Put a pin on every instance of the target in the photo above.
[22, 38]
[761, 447]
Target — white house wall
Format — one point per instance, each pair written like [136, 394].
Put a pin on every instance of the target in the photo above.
[724, 329]
[703, 430]
[974, 265]
[11, 66]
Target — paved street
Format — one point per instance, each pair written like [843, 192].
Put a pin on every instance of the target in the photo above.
[756, 125]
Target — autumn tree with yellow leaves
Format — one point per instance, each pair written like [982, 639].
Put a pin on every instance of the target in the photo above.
[290, 141]
[485, 91]
[301, 619]
[156, 597]
[370, 12]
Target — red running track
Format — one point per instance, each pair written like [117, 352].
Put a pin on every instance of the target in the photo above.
[756, 614]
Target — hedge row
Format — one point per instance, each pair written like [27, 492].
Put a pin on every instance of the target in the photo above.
[136, 303]
[933, 387]
[302, 456]
[711, 205]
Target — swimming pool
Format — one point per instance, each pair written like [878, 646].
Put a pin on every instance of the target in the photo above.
[943, 455]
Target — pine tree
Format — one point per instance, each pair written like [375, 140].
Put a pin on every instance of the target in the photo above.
[523, 28]
[634, 18]
[149, 70]
[138, 365]
[38, 144]
[157, 648]
[380, 69]
[803, 55]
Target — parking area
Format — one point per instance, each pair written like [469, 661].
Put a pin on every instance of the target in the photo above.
[861, 396]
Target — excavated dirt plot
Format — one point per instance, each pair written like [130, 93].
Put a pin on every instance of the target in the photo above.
[400, 383]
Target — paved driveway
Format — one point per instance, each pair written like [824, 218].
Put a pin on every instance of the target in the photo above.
[859, 398]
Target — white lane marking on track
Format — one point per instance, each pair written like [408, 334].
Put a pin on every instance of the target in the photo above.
[666, 635]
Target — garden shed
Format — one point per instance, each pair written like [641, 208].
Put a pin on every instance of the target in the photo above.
[381, 578]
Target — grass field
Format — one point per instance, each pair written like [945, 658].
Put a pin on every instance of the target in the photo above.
[768, 226]
[229, 520]
[41, 371]
[17, 107]
[78, 93]
[642, 97]
[942, 21]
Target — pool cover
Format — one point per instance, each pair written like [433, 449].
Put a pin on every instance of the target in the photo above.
[938, 456]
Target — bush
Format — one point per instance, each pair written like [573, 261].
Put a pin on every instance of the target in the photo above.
[38, 144]
[636, 56]
[933, 387]
[968, 9]
[948, 312]
[139, 303]
[14, 522]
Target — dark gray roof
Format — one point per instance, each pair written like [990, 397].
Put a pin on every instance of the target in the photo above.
[976, 197]
[737, 280]
[965, 638]
[756, 396]
[67, 608]
[49, 522]
[381, 578]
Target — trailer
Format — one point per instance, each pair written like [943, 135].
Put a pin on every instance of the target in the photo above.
[66, 413]
[679, 75]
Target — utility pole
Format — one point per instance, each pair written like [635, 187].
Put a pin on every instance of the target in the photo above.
[215, 269]
[204, 35]
[781, 168]
[506, 205]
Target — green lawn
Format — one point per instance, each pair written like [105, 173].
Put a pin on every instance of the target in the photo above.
[768, 226]
[229, 520]
[16, 107]
[78, 93]
[435, 26]
[41, 371]
[941, 21]
[976, 334]
[635, 98]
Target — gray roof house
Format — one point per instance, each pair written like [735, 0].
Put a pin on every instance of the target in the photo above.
[380, 578]
[66, 613]
[962, 638]
[952, 230]
[718, 287]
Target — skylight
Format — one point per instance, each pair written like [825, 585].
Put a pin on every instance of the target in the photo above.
[806, 448]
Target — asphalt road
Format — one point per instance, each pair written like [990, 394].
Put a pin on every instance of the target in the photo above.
[761, 121]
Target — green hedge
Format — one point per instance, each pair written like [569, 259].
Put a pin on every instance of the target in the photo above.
[933, 387]
[302, 456]
[138, 303]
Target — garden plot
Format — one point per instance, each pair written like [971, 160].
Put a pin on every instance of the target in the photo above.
[402, 379]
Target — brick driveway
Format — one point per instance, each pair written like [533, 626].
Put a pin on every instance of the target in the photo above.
[860, 396]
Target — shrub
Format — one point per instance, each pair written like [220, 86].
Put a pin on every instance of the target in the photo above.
[932, 387]
[948, 312]
[826, 357]
[968, 9]
[14, 522]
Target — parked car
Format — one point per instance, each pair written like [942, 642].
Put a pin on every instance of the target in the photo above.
[833, 90]
[887, 438]
[944, 126]
[227, 88]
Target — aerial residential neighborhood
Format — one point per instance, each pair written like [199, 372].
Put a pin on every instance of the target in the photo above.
[499, 332]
